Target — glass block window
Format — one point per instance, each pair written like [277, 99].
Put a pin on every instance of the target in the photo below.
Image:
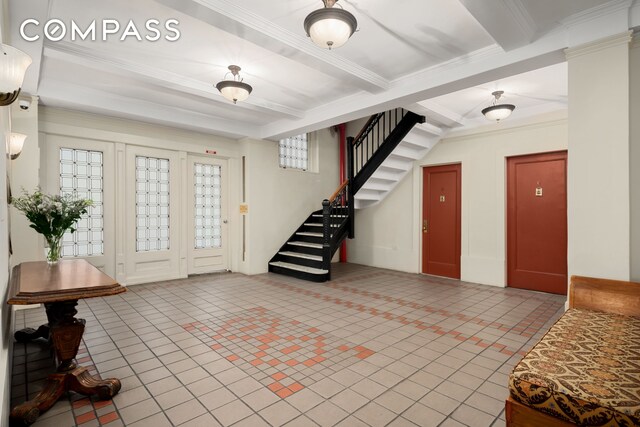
[152, 204]
[294, 152]
[81, 176]
[208, 199]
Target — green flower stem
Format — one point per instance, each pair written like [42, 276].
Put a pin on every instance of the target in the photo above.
[55, 248]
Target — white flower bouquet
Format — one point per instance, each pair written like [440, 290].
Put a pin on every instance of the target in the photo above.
[51, 216]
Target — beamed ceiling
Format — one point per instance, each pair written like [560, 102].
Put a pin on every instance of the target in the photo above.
[441, 58]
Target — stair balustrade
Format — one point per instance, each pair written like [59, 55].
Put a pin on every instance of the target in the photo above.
[335, 219]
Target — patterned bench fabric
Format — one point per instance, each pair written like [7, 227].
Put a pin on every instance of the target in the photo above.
[585, 370]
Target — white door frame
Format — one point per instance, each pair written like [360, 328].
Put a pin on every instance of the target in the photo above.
[158, 264]
[201, 261]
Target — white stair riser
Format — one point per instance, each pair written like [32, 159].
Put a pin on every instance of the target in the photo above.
[393, 170]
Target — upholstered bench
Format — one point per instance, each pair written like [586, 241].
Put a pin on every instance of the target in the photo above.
[586, 369]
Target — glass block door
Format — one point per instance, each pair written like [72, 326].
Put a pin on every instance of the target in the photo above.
[153, 225]
[84, 169]
[208, 204]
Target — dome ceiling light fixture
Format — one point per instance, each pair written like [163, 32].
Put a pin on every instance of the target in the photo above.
[13, 66]
[330, 27]
[234, 89]
[497, 111]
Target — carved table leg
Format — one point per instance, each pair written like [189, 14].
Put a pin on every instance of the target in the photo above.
[66, 332]
[29, 334]
[28, 412]
[65, 335]
[80, 381]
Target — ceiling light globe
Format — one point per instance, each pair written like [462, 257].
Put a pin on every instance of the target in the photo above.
[330, 28]
[234, 91]
[13, 66]
[498, 112]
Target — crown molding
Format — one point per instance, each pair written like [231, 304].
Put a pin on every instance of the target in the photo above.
[522, 17]
[596, 12]
[598, 45]
[635, 41]
[544, 120]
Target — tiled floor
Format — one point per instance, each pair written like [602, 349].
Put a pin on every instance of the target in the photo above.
[371, 348]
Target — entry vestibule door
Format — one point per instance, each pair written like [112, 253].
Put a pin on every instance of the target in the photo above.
[208, 208]
[152, 214]
[441, 220]
[537, 222]
[84, 168]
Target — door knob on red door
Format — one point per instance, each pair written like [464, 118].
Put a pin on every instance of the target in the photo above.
[425, 226]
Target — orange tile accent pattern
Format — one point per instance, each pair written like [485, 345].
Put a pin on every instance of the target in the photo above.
[271, 342]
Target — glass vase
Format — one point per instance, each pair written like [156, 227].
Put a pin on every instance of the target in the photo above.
[54, 249]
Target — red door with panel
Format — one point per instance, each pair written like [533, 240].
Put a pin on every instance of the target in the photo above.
[537, 222]
[441, 220]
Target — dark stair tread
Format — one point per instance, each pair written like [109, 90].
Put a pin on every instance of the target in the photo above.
[301, 255]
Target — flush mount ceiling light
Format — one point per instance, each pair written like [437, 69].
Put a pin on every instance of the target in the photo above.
[497, 111]
[330, 27]
[15, 144]
[13, 66]
[234, 89]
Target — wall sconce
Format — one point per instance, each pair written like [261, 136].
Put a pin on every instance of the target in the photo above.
[13, 67]
[15, 144]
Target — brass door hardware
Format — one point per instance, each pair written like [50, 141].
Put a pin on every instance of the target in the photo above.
[425, 226]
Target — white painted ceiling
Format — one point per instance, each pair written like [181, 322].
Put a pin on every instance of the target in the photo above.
[442, 58]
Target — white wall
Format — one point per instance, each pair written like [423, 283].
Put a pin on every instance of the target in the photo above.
[6, 313]
[278, 199]
[598, 167]
[388, 234]
[384, 233]
[281, 199]
[634, 114]
[25, 175]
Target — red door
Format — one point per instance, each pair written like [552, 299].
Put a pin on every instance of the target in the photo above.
[441, 220]
[537, 222]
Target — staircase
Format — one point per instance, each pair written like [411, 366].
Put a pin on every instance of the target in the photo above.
[413, 147]
[377, 159]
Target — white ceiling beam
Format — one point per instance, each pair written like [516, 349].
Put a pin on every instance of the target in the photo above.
[507, 21]
[484, 66]
[19, 11]
[77, 54]
[438, 113]
[228, 16]
[480, 67]
[58, 94]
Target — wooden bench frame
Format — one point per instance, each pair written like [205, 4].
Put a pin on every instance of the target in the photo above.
[609, 296]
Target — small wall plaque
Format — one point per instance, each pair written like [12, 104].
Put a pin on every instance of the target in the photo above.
[538, 191]
[442, 199]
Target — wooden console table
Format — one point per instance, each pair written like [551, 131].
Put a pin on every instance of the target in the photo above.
[59, 287]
